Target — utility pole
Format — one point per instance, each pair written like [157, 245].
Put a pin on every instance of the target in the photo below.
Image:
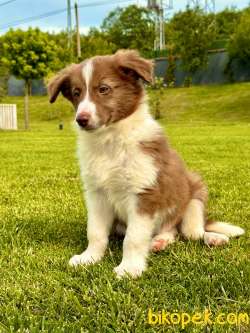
[162, 27]
[158, 7]
[78, 41]
[69, 27]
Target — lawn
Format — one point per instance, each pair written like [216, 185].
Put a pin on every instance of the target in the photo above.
[43, 223]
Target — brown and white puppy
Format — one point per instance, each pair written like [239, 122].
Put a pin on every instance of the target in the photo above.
[130, 173]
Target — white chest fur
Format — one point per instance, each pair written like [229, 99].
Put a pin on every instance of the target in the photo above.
[111, 159]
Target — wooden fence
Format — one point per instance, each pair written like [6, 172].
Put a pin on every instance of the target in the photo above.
[8, 117]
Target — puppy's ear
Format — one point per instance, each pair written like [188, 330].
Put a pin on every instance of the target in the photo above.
[55, 86]
[132, 64]
[60, 83]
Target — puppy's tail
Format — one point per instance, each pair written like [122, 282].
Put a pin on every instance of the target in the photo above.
[224, 228]
[194, 223]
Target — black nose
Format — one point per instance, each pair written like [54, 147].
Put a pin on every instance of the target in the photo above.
[82, 120]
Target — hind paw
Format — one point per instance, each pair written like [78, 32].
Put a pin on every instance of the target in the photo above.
[160, 243]
[214, 239]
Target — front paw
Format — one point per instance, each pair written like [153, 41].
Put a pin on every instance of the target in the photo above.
[133, 269]
[86, 258]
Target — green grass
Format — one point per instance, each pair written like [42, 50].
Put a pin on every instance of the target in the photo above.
[43, 223]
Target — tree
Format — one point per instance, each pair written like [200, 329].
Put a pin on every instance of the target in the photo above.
[28, 55]
[156, 91]
[226, 22]
[191, 32]
[63, 55]
[130, 27]
[3, 81]
[170, 73]
[3, 74]
[96, 42]
[239, 45]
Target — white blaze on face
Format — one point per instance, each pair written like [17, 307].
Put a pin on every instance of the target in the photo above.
[86, 105]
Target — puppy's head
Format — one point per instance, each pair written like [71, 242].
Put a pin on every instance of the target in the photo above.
[103, 89]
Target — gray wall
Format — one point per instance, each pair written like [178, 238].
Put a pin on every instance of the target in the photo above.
[213, 74]
[16, 87]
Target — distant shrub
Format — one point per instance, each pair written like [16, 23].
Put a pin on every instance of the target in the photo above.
[187, 81]
[155, 93]
[3, 81]
[239, 44]
[170, 73]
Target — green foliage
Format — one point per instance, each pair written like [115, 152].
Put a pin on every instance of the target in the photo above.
[156, 91]
[2, 92]
[3, 74]
[187, 81]
[191, 32]
[226, 22]
[170, 73]
[93, 43]
[131, 27]
[28, 54]
[189, 35]
[219, 44]
[96, 42]
[3, 81]
[239, 45]
[63, 55]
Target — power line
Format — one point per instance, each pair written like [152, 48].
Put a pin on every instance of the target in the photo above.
[32, 18]
[56, 12]
[6, 3]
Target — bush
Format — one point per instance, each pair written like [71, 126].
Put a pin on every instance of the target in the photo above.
[170, 73]
[155, 93]
[3, 81]
[192, 33]
[239, 45]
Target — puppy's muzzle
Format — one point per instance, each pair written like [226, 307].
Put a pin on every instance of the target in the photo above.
[83, 119]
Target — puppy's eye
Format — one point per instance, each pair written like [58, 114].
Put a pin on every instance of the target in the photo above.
[104, 89]
[76, 92]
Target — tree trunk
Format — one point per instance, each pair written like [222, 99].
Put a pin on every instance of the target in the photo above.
[30, 89]
[26, 105]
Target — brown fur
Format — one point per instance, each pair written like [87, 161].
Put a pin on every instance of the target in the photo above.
[65, 81]
[175, 185]
[123, 72]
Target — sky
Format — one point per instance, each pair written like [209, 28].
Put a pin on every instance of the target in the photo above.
[90, 16]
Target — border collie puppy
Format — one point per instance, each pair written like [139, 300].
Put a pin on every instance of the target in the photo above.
[135, 183]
